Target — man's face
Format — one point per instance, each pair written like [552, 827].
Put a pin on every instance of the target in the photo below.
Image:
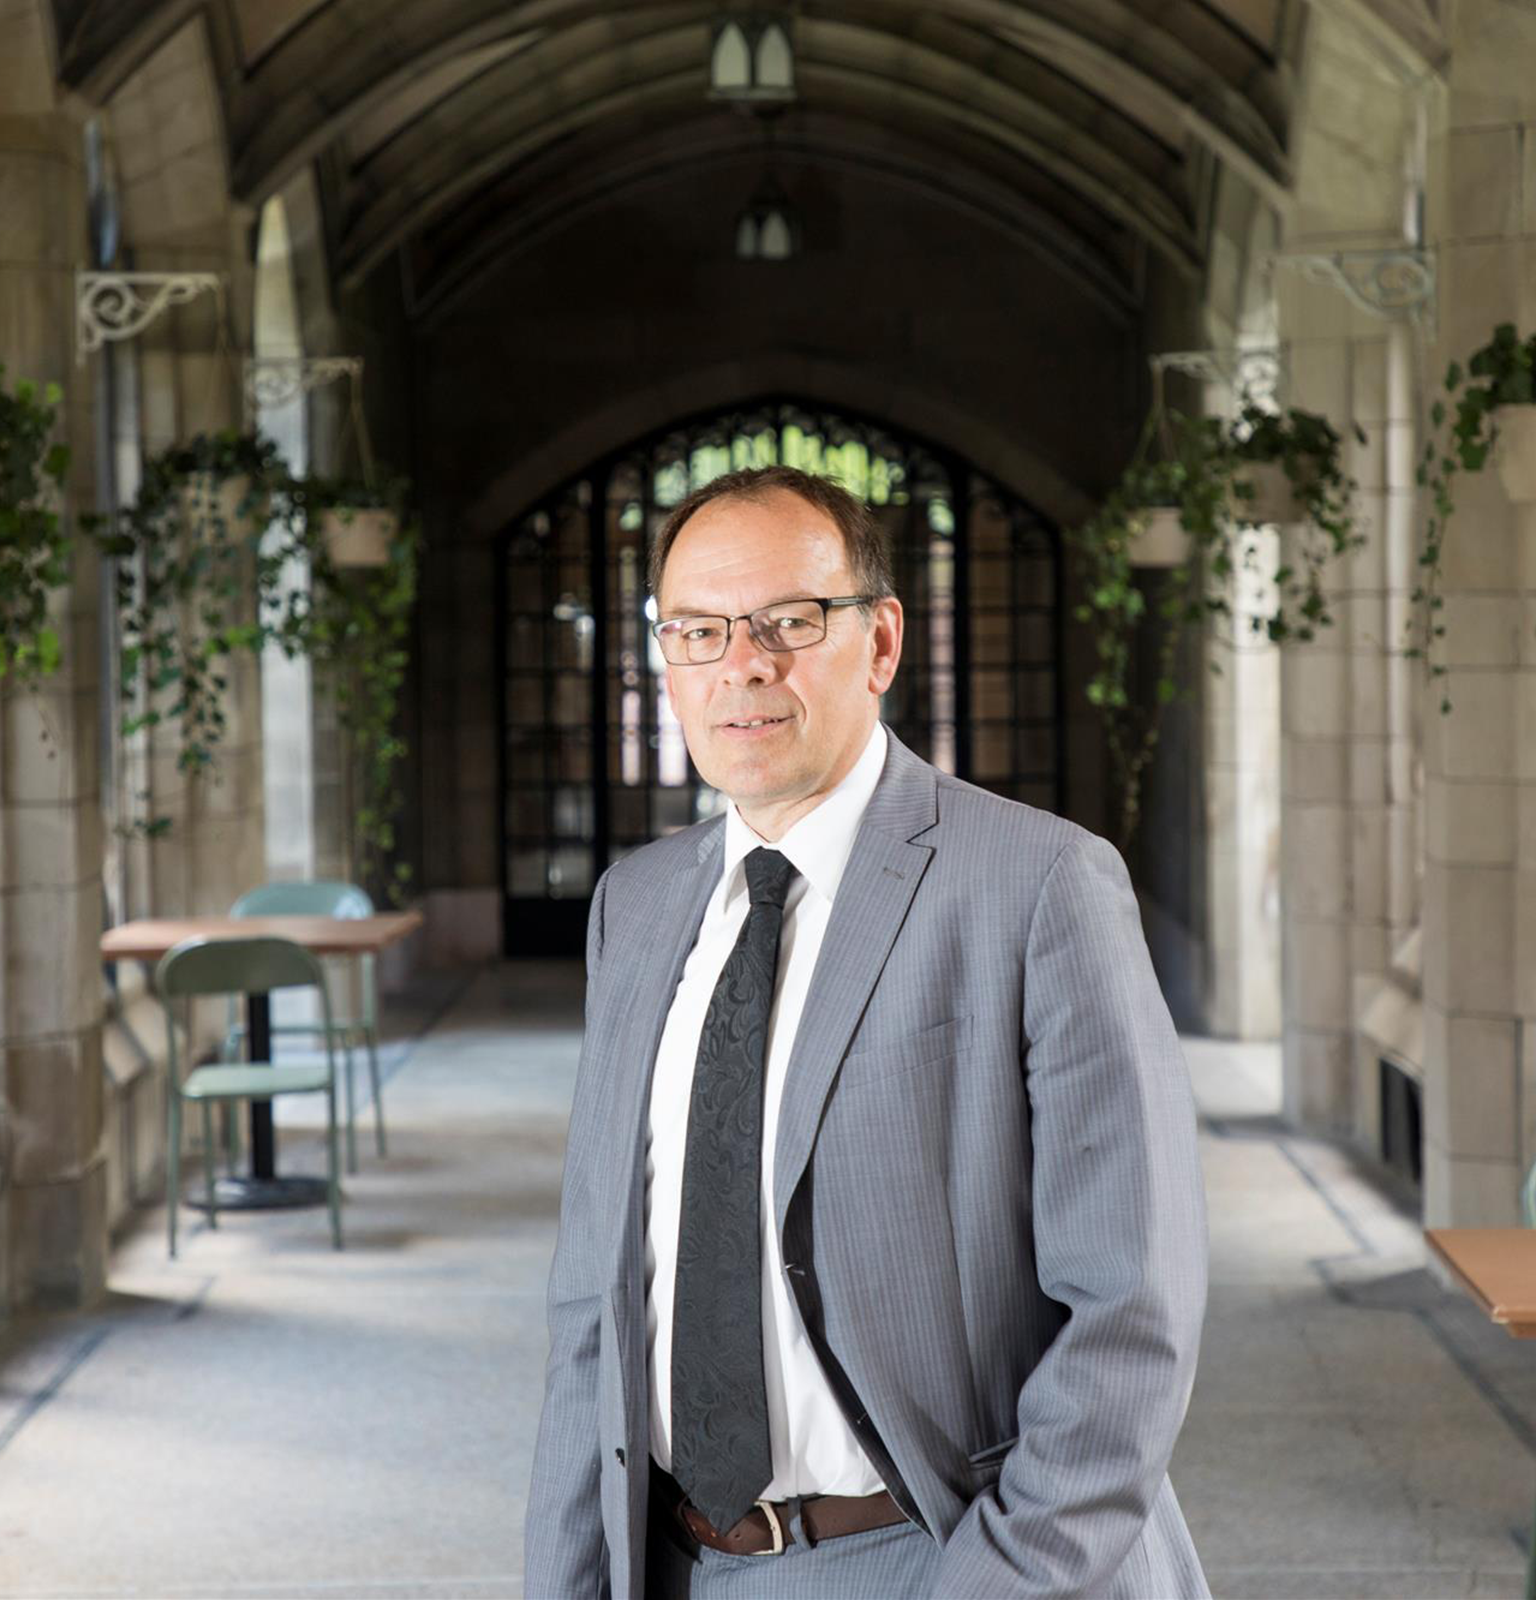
[819, 702]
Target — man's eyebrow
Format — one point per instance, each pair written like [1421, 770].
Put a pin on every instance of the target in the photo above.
[672, 613]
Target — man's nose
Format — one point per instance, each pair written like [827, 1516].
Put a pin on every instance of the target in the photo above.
[745, 660]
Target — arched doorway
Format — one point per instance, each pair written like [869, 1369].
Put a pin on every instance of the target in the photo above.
[593, 764]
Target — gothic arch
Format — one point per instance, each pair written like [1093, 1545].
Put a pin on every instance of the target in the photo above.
[1001, 455]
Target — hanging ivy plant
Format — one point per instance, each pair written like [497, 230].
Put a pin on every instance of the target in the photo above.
[1308, 450]
[203, 577]
[188, 554]
[354, 626]
[1186, 475]
[356, 522]
[316, 495]
[34, 549]
[1501, 373]
[1197, 464]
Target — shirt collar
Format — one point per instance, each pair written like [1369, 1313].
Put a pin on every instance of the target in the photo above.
[820, 843]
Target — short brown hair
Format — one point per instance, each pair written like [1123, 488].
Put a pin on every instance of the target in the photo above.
[868, 559]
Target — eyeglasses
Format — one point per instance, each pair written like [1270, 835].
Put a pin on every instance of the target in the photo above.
[784, 625]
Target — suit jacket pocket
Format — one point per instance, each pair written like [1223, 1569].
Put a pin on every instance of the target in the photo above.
[879, 1061]
[987, 1465]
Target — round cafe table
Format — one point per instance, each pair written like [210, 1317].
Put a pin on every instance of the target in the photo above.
[262, 1187]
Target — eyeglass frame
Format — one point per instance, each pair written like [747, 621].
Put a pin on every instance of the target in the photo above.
[827, 603]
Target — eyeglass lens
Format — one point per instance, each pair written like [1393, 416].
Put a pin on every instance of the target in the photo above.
[789, 625]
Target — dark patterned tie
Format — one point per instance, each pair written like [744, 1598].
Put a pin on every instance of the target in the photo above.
[720, 1451]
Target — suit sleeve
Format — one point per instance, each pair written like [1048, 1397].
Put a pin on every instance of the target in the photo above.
[563, 1541]
[1120, 1241]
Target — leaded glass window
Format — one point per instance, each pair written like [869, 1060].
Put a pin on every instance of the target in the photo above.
[595, 764]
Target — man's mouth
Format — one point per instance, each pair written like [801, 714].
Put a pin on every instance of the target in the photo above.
[754, 722]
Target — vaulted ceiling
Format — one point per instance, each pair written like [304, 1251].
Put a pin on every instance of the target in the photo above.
[458, 130]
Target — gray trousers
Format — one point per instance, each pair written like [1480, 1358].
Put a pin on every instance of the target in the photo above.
[897, 1563]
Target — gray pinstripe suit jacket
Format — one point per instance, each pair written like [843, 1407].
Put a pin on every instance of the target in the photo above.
[986, 1189]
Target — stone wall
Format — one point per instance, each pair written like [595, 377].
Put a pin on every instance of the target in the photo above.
[1348, 780]
[1321, 843]
[1480, 760]
[53, 1188]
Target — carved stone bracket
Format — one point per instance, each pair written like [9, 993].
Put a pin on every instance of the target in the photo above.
[121, 305]
[278, 380]
[1395, 284]
[1256, 375]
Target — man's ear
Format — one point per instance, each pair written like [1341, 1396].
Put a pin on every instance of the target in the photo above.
[671, 692]
[886, 630]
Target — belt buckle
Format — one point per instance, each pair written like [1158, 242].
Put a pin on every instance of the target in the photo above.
[775, 1527]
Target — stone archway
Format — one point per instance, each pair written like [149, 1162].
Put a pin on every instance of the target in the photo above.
[995, 450]
[593, 763]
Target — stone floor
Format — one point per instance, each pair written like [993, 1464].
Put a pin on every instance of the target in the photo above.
[265, 1417]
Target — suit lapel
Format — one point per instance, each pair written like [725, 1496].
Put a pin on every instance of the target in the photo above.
[665, 938]
[872, 902]
[678, 912]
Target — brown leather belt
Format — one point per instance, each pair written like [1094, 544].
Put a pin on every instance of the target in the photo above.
[765, 1530]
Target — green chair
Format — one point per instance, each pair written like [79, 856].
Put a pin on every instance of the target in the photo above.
[323, 898]
[240, 967]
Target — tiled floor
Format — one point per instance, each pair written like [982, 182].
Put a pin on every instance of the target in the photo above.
[266, 1418]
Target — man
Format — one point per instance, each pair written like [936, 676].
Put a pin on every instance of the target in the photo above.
[881, 1261]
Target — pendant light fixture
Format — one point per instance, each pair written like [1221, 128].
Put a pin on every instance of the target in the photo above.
[769, 228]
[752, 69]
[752, 62]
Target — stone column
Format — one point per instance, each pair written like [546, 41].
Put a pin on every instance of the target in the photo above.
[178, 216]
[53, 1232]
[1240, 672]
[1348, 802]
[1480, 759]
[215, 849]
[1242, 710]
[1345, 780]
[334, 451]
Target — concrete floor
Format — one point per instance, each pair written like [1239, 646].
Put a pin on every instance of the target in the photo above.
[264, 1417]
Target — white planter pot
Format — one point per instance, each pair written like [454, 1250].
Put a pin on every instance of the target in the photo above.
[1274, 497]
[1161, 540]
[1515, 453]
[359, 536]
[205, 501]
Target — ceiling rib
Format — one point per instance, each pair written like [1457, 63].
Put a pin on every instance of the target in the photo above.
[270, 147]
[1222, 120]
[1029, 225]
[1119, 77]
[431, 172]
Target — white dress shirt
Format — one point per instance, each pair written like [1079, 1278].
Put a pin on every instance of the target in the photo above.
[814, 1450]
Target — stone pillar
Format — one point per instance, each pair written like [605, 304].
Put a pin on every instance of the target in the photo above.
[178, 216]
[1242, 693]
[215, 849]
[53, 1232]
[1345, 776]
[333, 449]
[1348, 799]
[1242, 711]
[1480, 759]
[1385, 776]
